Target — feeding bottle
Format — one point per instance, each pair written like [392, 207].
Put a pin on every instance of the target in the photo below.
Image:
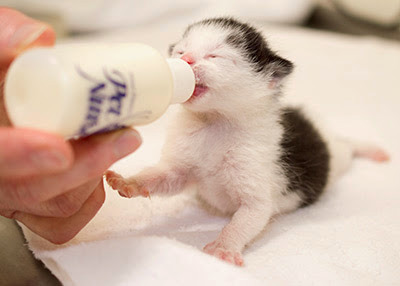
[79, 89]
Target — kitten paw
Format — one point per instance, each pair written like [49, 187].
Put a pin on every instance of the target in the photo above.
[218, 250]
[371, 152]
[125, 189]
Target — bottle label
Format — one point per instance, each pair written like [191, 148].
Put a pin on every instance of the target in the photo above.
[111, 100]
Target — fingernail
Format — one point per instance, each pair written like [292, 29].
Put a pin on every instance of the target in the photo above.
[126, 143]
[26, 35]
[48, 159]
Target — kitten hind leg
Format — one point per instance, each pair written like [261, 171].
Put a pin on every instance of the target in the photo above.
[343, 152]
[370, 151]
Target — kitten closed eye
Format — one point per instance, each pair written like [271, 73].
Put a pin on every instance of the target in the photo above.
[212, 56]
[180, 52]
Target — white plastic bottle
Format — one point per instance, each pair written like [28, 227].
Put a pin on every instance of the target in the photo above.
[80, 89]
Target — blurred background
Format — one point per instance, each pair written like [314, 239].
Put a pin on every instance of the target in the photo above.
[360, 17]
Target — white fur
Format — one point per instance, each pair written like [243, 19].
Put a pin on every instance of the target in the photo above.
[228, 142]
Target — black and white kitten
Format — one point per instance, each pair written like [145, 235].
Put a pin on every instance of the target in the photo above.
[250, 156]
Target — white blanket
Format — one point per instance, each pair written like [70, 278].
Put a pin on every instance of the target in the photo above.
[350, 237]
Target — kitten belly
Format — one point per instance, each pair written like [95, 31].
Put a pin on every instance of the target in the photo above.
[217, 196]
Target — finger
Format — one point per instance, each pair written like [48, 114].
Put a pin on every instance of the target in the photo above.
[64, 205]
[93, 156]
[19, 32]
[25, 152]
[61, 230]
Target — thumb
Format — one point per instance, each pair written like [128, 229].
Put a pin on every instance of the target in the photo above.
[19, 32]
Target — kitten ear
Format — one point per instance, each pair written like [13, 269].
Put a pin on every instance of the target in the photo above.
[279, 69]
[170, 49]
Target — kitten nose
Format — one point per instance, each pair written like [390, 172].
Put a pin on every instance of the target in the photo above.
[188, 58]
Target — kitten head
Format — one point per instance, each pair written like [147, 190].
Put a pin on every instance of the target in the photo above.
[232, 63]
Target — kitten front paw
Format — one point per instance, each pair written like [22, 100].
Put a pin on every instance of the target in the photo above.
[125, 189]
[218, 250]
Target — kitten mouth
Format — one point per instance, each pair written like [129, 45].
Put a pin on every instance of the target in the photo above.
[199, 90]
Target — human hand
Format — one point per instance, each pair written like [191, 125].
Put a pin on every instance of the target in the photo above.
[52, 186]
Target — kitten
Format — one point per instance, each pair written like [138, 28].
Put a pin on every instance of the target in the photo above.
[250, 156]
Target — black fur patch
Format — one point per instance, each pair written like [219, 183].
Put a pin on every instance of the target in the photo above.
[305, 156]
[170, 49]
[253, 45]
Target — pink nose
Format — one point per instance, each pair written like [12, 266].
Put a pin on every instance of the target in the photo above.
[188, 58]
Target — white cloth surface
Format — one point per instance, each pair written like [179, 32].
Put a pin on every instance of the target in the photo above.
[350, 237]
